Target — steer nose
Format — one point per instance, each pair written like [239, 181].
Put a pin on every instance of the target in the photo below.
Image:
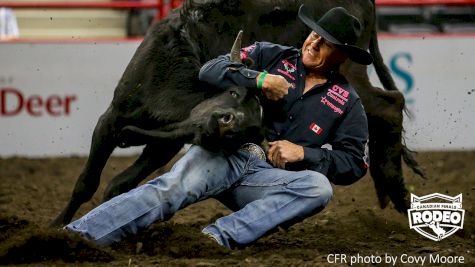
[226, 118]
[226, 122]
[229, 117]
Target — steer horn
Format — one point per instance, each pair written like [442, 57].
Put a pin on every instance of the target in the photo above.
[236, 49]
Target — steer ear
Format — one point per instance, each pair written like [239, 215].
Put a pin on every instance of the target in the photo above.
[236, 49]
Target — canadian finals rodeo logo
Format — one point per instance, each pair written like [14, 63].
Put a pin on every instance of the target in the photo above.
[437, 219]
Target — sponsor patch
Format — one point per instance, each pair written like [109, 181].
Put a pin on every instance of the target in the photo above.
[315, 128]
[286, 74]
[338, 94]
[366, 155]
[246, 50]
[289, 67]
[329, 104]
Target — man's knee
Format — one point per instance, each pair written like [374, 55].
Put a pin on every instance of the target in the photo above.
[316, 186]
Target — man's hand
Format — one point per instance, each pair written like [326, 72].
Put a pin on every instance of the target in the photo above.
[282, 152]
[275, 87]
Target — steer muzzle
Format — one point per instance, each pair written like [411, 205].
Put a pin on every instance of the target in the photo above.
[228, 122]
[230, 128]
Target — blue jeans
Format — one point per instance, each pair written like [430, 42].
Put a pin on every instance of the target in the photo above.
[261, 196]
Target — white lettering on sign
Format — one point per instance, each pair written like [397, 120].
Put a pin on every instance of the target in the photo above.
[13, 102]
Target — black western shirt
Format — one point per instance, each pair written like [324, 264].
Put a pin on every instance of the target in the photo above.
[329, 113]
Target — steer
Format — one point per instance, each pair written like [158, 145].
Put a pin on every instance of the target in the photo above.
[224, 122]
[160, 87]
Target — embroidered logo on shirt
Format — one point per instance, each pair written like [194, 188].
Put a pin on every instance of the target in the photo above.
[338, 94]
[245, 51]
[329, 104]
[366, 155]
[286, 74]
[315, 128]
[289, 67]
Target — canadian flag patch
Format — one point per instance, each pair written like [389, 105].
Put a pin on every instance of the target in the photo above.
[315, 128]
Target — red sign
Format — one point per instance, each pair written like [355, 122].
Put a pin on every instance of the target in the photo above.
[34, 105]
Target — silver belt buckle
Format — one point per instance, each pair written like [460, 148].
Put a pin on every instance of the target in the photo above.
[254, 149]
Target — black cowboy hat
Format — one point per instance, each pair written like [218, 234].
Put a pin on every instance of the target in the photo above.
[339, 28]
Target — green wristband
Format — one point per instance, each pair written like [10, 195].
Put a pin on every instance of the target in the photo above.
[261, 80]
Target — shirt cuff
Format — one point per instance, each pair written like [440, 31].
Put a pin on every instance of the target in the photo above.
[250, 76]
[312, 155]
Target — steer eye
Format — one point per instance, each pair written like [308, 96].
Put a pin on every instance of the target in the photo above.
[234, 94]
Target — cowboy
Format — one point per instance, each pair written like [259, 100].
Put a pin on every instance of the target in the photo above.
[307, 104]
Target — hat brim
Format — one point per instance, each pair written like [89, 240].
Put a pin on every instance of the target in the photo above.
[354, 53]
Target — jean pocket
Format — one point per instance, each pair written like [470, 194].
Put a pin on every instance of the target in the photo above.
[255, 164]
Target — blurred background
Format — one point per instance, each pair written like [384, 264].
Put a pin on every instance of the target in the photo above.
[130, 18]
[84, 18]
[61, 60]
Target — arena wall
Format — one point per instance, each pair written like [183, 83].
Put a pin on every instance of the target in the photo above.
[51, 94]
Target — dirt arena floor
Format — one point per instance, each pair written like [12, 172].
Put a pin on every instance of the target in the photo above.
[33, 191]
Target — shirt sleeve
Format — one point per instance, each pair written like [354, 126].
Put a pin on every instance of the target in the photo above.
[347, 161]
[223, 72]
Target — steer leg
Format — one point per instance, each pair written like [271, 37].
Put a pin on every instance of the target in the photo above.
[153, 156]
[384, 110]
[385, 163]
[102, 146]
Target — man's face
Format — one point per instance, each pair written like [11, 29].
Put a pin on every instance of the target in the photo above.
[319, 54]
